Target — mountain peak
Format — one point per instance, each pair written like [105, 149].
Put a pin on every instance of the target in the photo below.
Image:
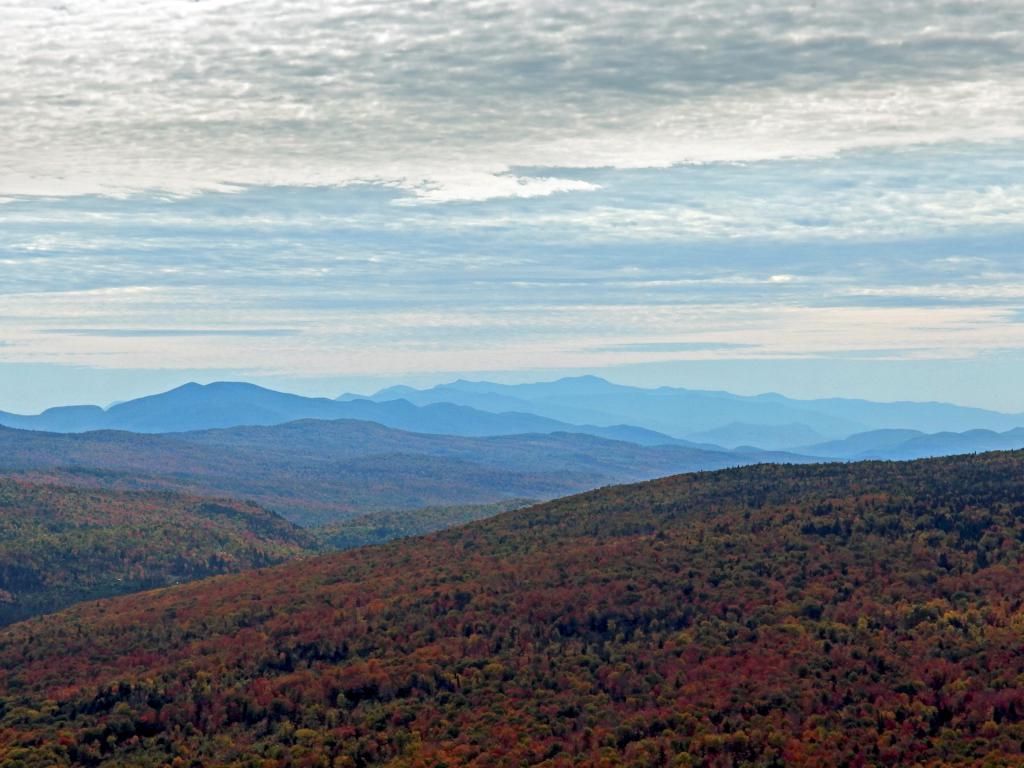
[584, 384]
[216, 387]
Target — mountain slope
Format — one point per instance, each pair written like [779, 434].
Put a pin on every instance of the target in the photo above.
[61, 545]
[379, 527]
[69, 418]
[862, 614]
[320, 471]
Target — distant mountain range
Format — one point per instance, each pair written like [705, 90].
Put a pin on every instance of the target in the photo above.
[771, 436]
[315, 471]
[901, 444]
[232, 404]
[691, 414]
[584, 405]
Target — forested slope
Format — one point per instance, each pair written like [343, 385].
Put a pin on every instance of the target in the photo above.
[61, 545]
[315, 472]
[379, 527]
[864, 614]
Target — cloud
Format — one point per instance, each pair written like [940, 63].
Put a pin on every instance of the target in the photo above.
[125, 333]
[480, 186]
[442, 99]
[674, 346]
[308, 187]
[892, 353]
[914, 250]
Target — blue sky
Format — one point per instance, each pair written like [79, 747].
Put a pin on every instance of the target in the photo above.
[329, 196]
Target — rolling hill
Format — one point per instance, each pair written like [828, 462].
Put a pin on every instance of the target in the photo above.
[315, 472]
[60, 545]
[864, 614]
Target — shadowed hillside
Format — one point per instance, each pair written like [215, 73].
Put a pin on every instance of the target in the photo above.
[864, 614]
[378, 527]
[61, 545]
[322, 471]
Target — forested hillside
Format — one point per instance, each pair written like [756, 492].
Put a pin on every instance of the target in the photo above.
[865, 614]
[60, 545]
[316, 472]
[378, 527]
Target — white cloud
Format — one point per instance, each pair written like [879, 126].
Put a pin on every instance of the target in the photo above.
[444, 98]
[469, 187]
[529, 184]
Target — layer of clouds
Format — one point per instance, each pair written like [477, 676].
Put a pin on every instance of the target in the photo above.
[149, 333]
[370, 188]
[869, 251]
[444, 98]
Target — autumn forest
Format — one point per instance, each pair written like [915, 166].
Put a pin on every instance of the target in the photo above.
[861, 614]
[511, 384]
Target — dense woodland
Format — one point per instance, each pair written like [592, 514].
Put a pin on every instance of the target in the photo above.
[866, 614]
[318, 472]
[62, 545]
[379, 527]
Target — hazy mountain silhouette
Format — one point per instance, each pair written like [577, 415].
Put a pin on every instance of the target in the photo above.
[229, 404]
[688, 413]
[586, 405]
[769, 436]
[910, 444]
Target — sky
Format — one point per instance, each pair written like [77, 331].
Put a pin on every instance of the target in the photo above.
[816, 198]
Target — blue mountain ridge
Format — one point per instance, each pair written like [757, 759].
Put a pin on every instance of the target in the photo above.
[229, 404]
[689, 414]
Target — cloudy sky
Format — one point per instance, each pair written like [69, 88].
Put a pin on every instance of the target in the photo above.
[808, 197]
